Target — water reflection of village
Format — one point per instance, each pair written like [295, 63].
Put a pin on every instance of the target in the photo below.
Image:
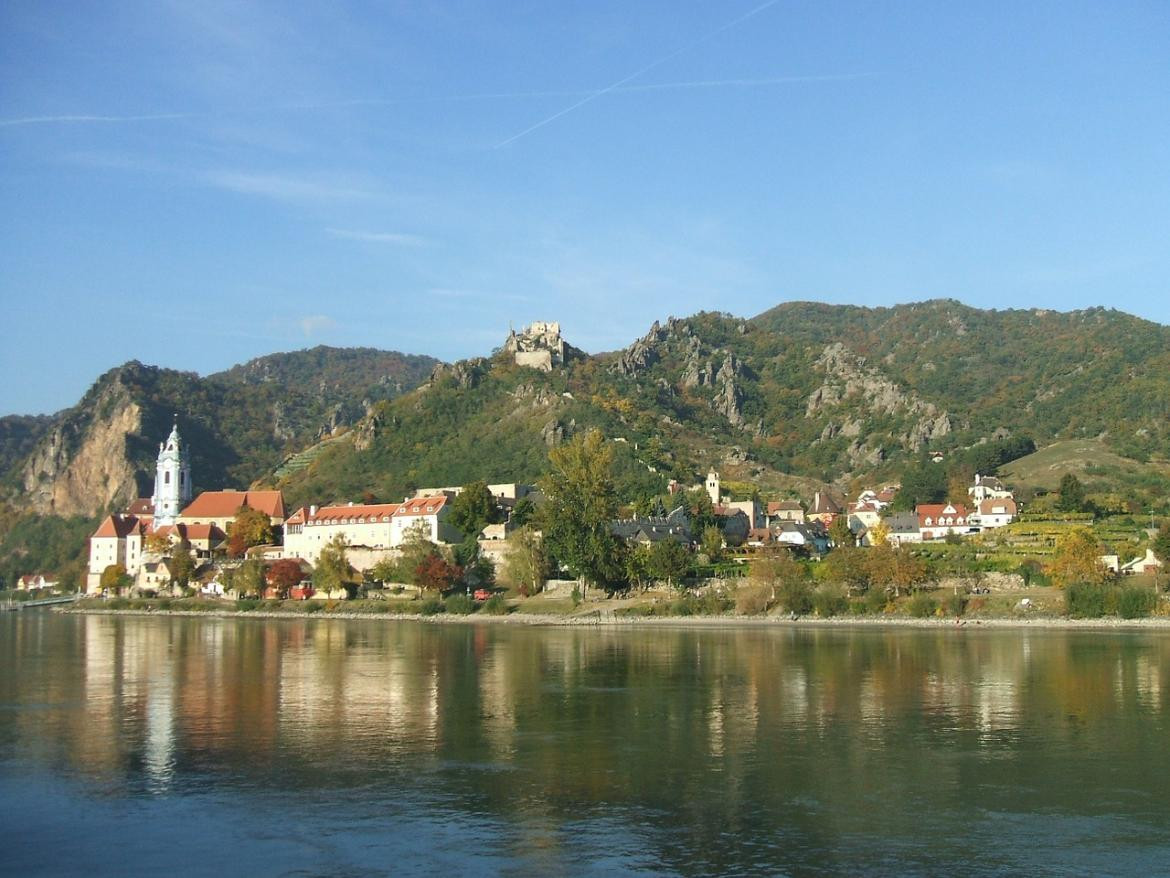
[532, 724]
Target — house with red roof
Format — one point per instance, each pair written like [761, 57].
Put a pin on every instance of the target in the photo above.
[936, 520]
[220, 507]
[118, 540]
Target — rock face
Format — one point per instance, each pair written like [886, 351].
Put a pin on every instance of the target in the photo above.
[84, 468]
[848, 378]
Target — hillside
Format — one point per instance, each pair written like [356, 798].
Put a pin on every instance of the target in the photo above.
[803, 394]
[239, 424]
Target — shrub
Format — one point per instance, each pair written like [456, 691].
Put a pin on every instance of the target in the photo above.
[1135, 602]
[875, 600]
[459, 605]
[751, 600]
[117, 603]
[496, 605]
[246, 605]
[687, 605]
[922, 605]
[576, 595]
[714, 603]
[1083, 600]
[314, 606]
[796, 596]
[431, 607]
[829, 601]
[954, 604]
[164, 603]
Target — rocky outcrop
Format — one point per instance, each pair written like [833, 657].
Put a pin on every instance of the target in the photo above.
[84, 467]
[848, 378]
[466, 373]
[642, 354]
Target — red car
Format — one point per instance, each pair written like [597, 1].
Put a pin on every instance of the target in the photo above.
[482, 594]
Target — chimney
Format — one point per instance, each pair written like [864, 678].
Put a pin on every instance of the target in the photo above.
[313, 511]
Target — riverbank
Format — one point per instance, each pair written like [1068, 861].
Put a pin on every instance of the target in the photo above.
[596, 619]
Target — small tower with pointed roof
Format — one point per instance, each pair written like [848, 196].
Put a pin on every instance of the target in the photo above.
[172, 482]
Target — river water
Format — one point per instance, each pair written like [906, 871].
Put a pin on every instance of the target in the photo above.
[145, 746]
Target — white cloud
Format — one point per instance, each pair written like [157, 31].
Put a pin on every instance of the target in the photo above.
[402, 239]
[282, 188]
[316, 323]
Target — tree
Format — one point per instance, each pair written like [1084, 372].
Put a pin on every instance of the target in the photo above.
[638, 570]
[1077, 559]
[840, 533]
[1072, 494]
[776, 570]
[669, 560]
[581, 504]
[248, 578]
[283, 575]
[250, 527]
[332, 571]
[525, 566]
[415, 547]
[384, 571]
[711, 543]
[1161, 545]
[114, 579]
[700, 510]
[849, 565]
[473, 509]
[922, 482]
[522, 512]
[157, 544]
[436, 573]
[182, 564]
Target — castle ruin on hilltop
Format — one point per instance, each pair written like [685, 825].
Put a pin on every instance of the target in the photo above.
[540, 346]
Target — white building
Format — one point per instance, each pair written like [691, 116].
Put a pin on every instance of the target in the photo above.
[172, 483]
[987, 488]
[376, 526]
[994, 512]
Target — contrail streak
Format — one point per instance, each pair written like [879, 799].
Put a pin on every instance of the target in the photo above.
[595, 95]
[50, 120]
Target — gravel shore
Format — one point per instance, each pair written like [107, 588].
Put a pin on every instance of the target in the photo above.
[595, 619]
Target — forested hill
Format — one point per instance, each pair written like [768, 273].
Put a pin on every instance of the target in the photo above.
[238, 424]
[803, 394]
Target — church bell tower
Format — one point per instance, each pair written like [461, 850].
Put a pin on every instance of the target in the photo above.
[172, 481]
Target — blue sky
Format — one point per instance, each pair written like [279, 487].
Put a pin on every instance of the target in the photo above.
[192, 184]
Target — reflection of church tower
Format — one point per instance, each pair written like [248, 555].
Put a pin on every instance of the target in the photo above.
[172, 481]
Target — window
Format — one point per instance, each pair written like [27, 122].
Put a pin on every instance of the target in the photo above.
[166, 478]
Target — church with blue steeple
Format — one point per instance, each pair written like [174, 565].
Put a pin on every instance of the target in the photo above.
[172, 483]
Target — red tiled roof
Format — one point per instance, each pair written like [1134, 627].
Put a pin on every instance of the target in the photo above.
[783, 506]
[987, 507]
[143, 506]
[422, 505]
[328, 514]
[934, 510]
[118, 526]
[225, 504]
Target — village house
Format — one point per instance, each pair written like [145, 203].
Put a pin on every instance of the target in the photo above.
[784, 510]
[35, 582]
[823, 509]
[118, 540]
[936, 520]
[863, 515]
[902, 527]
[645, 530]
[808, 536]
[1147, 563]
[219, 508]
[994, 512]
[987, 488]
